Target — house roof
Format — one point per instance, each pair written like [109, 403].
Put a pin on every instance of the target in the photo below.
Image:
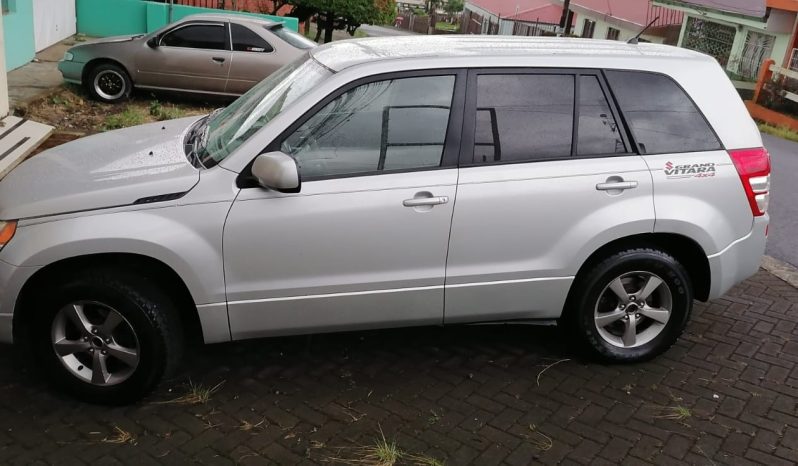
[636, 12]
[507, 8]
[550, 14]
[755, 8]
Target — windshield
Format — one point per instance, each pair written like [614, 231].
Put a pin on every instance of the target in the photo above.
[231, 127]
[294, 38]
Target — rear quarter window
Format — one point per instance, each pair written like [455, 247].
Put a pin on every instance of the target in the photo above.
[662, 118]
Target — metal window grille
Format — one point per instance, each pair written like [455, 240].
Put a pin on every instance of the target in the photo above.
[794, 60]
[757, 48]
[613, 34]
[588, 29]
[714, 39]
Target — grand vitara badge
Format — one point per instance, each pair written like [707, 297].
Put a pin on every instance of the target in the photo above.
[697, 170]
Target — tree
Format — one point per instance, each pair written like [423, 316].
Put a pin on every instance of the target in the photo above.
[454, 7]
[343, 14]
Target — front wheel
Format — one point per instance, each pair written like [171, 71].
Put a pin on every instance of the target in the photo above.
[109, 83]
[632, 306]
[106, 336]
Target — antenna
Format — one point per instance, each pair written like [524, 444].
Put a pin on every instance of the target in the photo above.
[634, 39]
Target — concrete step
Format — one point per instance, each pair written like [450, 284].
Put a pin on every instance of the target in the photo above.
[18, 138]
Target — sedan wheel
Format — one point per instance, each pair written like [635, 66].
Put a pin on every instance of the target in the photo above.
[109, 84]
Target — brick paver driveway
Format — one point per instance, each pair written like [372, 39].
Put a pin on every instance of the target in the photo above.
[726, 393]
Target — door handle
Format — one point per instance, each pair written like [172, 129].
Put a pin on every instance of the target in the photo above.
[616, 185]
[218, 59]
[425, 201]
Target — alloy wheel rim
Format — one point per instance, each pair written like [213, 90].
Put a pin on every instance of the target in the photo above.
[95, 343]
[109, 84]
[633, 309]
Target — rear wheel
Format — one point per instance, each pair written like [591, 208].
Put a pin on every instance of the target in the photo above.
[632, 306]
[106, 336]
[109, 82]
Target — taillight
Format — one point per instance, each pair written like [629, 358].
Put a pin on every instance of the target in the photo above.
[753, 166]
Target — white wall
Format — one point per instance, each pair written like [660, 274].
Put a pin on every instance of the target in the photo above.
[603, 25]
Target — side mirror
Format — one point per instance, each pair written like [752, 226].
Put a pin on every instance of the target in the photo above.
[277, 171]
[153, 42]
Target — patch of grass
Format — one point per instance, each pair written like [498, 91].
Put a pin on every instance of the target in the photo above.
[540, 440]
[131, 116]
[384, 452]
[247, 426]
[444, 26]
[120, 437]
[779, 131]
[676, 413]
[423, 460]
[195, 394]
[165, 112]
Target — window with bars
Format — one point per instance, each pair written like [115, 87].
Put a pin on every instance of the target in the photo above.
[758, 47]
[613, 34]
[711, 38]
[588, 28]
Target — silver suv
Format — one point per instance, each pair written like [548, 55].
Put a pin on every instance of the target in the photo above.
[392, 182]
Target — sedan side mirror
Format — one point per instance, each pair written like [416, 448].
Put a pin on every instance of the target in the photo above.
[277, 171]
[153, 42]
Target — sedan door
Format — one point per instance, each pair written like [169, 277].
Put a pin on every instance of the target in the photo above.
[547, 177]
[364, 243]
[193, 56]
[254, 58]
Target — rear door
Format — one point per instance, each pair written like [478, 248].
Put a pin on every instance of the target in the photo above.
[193, 56]
[547, 176]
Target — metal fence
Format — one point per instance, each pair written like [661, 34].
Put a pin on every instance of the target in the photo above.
[711, 38]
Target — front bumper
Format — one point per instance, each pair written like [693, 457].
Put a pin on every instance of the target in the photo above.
[72, 71]
[12, 279]
[739, 260]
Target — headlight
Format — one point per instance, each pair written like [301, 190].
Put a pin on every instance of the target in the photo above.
[68, 56]
[7, 230]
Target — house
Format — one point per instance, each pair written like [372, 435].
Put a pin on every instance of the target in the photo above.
[624, 19]
[740, 34]
[33, 25]
[501, 16]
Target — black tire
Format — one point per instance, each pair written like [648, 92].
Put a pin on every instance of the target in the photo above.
[147, 311]
[108, 82]
[594, 285]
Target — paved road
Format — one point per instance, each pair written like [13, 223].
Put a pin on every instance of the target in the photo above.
[726, 393]
[783, 238]
[383, 31]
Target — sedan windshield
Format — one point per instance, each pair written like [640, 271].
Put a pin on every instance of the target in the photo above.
[231, 127]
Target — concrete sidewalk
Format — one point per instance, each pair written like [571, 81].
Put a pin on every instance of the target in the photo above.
[38, 77]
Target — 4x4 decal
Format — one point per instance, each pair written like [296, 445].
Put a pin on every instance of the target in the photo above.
[698, 170]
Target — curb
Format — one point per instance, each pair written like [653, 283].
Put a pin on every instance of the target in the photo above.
[781, 269]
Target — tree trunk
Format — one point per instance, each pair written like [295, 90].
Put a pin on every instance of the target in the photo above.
[319, 28]
[328, 27]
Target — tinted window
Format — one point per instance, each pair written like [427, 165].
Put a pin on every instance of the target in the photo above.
[198, 36]
[292, 38]
[245, 40]
[523, 117]
[598, 130]
[385, 125]
[661, 116]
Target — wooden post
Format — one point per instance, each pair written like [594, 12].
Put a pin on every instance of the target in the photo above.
[764, 76]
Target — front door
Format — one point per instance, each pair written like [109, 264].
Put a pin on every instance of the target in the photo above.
[364, 243]
[546, 178]
[193, 56]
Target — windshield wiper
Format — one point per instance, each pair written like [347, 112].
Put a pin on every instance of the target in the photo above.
[197, 138]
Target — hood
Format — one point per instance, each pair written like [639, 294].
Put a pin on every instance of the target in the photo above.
[107, 40]
[111, 169]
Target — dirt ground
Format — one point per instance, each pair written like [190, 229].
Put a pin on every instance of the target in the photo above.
[74, 114]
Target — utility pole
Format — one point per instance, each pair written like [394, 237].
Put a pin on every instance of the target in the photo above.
[565, 20]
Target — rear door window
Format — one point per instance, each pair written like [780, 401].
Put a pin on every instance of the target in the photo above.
[598, 133]
[662, 118]
[246, 40]
[522, 117]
